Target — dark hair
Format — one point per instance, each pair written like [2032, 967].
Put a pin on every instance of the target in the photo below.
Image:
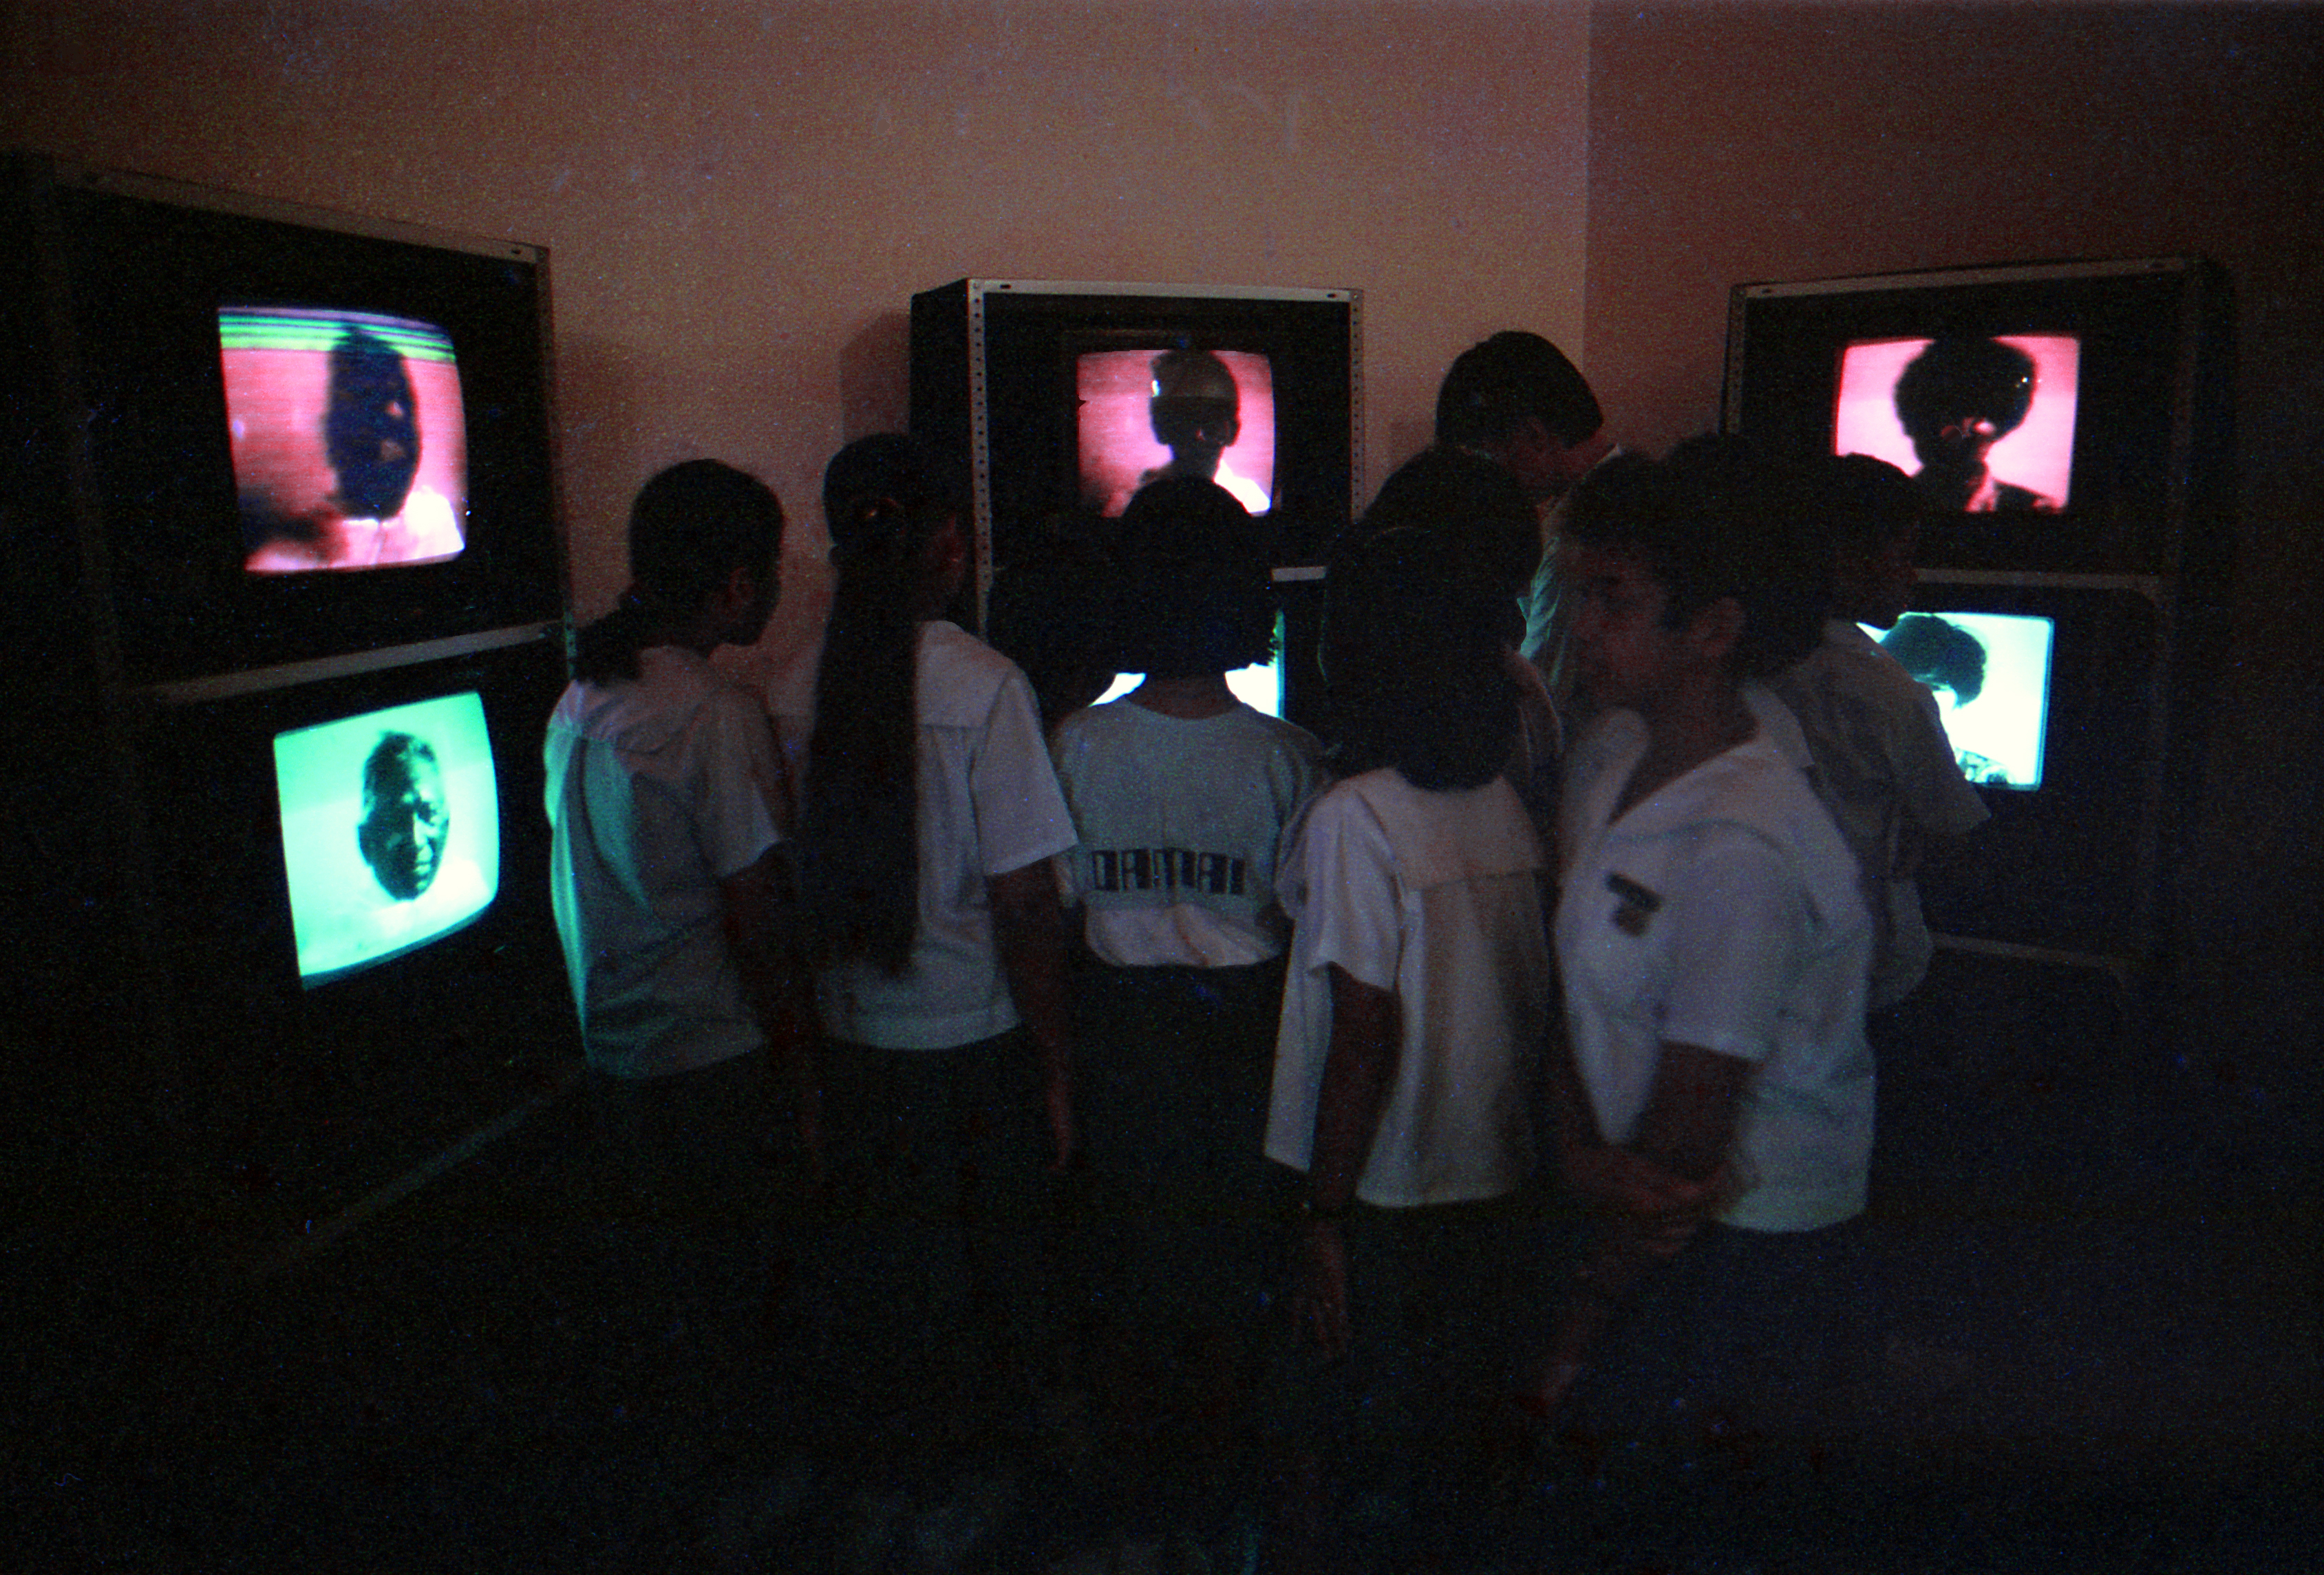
[1418, 673]
[1480, 510]
[1193, 591]
[1716, 519]
[1864, 503]
[1179, 416]
[857, 851]
[1492, 388]
[394, 764]
[1939, 652]
[690, 527]
[371, 425]
[1965, 377]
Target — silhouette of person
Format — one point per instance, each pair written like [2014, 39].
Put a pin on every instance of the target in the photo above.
[1197, 414]
[405, 821]
[1955, 400]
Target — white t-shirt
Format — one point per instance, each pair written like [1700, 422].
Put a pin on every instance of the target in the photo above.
[988, 804]
[1722, 912]
[1886, 771]
[1436, 896]
[1179, 819]
[658, 790]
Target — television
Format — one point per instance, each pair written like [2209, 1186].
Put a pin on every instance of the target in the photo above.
[1990, 674]
[2060, 417]
[2053, 696]
[300, 434]
[1056, 400]
[347, 899]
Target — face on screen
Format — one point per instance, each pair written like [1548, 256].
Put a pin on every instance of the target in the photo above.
[1145, 415]
[348, 438]
[405, 819]
[1985, 425]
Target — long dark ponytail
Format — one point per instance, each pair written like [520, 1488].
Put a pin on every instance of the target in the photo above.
[692, 526]
[857, 851]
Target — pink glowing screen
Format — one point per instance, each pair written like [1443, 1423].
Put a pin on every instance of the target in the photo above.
[1119, 451]
[349, 439]
[2037, 456]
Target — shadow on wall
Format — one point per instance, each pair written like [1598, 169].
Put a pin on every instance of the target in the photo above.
[875, 377]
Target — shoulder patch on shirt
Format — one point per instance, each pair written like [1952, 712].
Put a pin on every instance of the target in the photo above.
[1638, 904]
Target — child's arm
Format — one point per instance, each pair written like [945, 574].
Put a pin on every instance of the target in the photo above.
[1358, 1070]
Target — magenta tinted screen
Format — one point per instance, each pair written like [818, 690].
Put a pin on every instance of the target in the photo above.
[349, 440]
[1220, 410]
[1982, 460]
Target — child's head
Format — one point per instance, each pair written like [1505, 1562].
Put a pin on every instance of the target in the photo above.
[887, 509]
[1196, 596]
[1717, 534]
[1874, 513]
[693, 525]
[1489, 528]
[1417, 663]
[704, 566]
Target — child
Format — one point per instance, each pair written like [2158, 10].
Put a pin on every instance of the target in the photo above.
[928, 906]
[1883, 765]
[1716, 1096]
[662, 795]
[1180, 793]
[1417, 999]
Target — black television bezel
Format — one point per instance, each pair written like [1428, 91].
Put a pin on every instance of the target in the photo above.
[994, 393]
[346, 1081]
[143, 268]
[2151, 421]
[2073, 864]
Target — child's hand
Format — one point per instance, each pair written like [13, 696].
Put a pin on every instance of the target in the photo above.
[1321, 1300]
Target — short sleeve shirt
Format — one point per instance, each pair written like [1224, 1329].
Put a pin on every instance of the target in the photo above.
[988, 804]
[1886, 771]
[658, 790]
[1435, 898]
[1721, 911]
[1179, 819]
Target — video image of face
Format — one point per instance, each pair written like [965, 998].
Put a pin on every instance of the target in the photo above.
[405, 822]
[370, 429]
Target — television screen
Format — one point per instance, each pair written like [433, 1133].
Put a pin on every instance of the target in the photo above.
[390, 831]
[1147, 413]
[350, 447]
[1259, 686]
[1986, 424]
[1990, 673]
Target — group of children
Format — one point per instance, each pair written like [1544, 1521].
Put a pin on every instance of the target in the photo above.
[1302, 1012]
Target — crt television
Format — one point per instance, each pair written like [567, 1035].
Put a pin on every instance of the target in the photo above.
[301, 434]
[2060, 417]
[1055, 401]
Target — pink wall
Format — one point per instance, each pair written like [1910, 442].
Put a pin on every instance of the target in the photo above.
[1732, 143]
[741, 200]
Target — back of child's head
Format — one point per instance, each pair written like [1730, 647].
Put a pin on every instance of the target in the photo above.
[1867, 503]
[1716, 520]
[1477, 506]
[1195, 594]
[882, 496]
[1493, 387]
[1416, 662]
[691, 527]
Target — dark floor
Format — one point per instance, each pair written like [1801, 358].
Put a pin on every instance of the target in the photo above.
[2101, 1355]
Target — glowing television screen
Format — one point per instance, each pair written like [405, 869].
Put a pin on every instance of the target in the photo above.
[390, 831]
[1990, 673]
[1145, 413]
[1984, 423]
[1259, 686]
[349, 444]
